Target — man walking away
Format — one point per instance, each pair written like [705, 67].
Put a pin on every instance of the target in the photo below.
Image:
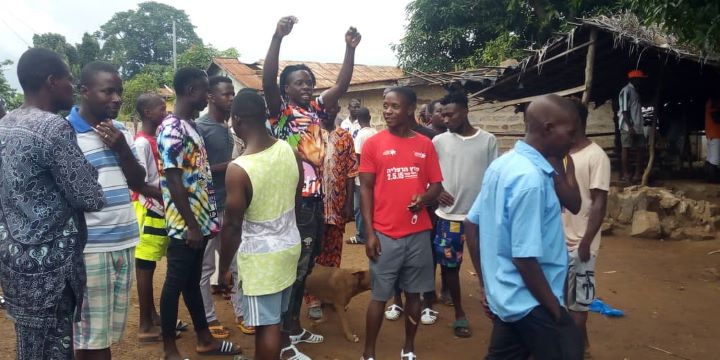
[522, 257]
[631, 126]
[461, 145]
[46, 186]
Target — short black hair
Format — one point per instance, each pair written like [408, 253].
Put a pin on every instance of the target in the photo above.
[185, 77]
[249, 103]
[291, 69]
[146, 100]
[92, 68]
[431, 106]
[455, 98]
[36, 64]
[406, 93]
[581, 109]
[355, 99]
[364, 114]
[217, 79]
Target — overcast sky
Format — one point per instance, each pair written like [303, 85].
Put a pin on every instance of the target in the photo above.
[245, 25]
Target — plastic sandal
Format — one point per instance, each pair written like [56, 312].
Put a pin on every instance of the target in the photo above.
[429, 316]
[462, 328]
[315, 313]
[353, 241]
[312, 339]
[219, 332]
[393, 312]
[407, 356]
[247, 330]
[226, 348]
[297, 354]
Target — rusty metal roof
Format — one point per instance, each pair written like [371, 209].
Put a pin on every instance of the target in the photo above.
[326, 73]
[240, 72]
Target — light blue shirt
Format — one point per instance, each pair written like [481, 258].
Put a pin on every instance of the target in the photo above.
[518, 214]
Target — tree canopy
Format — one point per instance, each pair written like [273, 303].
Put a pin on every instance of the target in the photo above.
[9, 96]
[137, 38]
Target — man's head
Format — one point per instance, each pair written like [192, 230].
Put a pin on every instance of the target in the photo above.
[248, 113]
[151, 108]
[297, 83]
[101, 90]
[637, 78]
[43, 72]
[423, 114]
[434, 110]
[399, 107]
[363, 116]
[454, 110]
[552, 123]
[583, 114]
[191, 86]
[353, 108]
[331, 113]
[221, 93]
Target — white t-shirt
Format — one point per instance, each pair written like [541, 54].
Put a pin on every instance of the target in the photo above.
[152, 176]
[592, 171]
[351, 126]
[361, 136]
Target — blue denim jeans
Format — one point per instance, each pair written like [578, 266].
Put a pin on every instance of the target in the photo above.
[359, 224]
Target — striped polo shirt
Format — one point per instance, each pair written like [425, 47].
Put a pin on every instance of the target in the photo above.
[115, 226]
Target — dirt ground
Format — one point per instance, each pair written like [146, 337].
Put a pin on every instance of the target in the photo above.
[668, 290]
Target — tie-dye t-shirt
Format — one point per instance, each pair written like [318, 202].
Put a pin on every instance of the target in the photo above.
[181, 147]
[301, 128]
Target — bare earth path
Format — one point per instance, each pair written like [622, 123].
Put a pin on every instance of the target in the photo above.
[670, 292]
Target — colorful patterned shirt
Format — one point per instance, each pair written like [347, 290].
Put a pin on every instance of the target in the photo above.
[340, 165]
[46, 185]
[302, 129]
[181, 147]
[270, 248]
[115, 226]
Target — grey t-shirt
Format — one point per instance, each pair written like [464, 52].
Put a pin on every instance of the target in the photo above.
[463, 161]
[219, 145]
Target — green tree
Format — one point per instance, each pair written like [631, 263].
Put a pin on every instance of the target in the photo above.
[443, 35]
[132, 89]
[694, 21]
[58, 44]
[8, 94]
[88, 50]
[199, 56]
[136, 38]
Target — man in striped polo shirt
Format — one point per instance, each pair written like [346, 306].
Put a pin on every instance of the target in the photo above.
[112, 232]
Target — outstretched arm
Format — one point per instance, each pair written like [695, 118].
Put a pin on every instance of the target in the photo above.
[270, 67]
[332, 95]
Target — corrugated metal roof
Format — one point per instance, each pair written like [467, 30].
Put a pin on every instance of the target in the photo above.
[240, 72]
[326, 73]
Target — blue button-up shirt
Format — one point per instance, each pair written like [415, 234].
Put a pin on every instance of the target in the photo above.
[518, 214]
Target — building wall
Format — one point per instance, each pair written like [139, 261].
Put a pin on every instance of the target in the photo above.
[508, 126]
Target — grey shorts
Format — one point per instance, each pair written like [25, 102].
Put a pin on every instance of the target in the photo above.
[407, 261]
[266, 309]
[632, 141]
[581, 282]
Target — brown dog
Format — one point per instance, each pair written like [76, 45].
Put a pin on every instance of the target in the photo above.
[337, 286]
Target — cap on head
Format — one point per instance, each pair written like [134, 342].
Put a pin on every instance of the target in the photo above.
[636, 74]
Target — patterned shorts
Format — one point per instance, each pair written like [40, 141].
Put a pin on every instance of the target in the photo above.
[153, 236]
[448, 243]
[104, 310]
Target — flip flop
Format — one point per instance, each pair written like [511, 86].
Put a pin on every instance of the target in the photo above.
[226, 348]
[219, 332]
[353, 241]
[462, 328]
[181, 326]
[247, 330]
[312, 339]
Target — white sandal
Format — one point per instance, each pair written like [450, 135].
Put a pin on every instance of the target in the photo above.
[407, 356]
[297, 354]
[429, 316]
[393, 312]
[312, 339]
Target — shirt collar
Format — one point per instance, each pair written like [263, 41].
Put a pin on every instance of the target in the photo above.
[522, 148]
[78, 123]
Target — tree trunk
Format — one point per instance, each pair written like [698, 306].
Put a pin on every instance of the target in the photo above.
[651, 138]
[590, 66]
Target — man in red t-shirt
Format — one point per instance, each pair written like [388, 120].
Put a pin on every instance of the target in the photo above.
[399, 176]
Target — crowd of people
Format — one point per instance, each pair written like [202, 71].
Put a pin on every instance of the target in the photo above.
[259, 189]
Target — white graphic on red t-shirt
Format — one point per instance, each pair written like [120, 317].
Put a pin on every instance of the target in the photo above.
[402, 173]
[390, 152]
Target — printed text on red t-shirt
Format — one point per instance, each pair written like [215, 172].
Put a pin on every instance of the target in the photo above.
[402, 173]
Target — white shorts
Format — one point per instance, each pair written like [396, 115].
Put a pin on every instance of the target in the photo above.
[713, 151]
[581, 282]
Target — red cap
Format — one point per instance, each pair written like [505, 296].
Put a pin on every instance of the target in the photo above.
[636, 74]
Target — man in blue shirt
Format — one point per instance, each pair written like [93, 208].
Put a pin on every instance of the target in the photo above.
[523, 259]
